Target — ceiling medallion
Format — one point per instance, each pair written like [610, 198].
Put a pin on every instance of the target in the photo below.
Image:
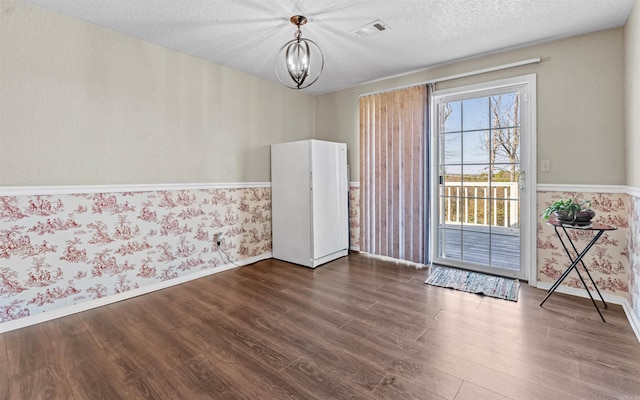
[297, 57]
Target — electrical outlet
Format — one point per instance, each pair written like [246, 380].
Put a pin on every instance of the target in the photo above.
[217, 237]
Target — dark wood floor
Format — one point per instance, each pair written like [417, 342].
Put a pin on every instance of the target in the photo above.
[355, 328]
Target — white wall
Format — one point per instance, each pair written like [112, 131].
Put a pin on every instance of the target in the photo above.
[84, 105]
[632, 98]
[580, 105]
[632, 119]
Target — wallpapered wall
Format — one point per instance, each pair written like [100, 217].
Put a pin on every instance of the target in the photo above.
[354, 216]
[60, 250]
[634, 254]
[607, 261]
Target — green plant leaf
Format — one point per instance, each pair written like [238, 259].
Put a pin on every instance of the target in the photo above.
[570, 206]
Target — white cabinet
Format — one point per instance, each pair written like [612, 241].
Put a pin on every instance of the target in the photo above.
[309, 194]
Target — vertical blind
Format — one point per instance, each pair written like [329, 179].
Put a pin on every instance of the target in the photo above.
[393, 128]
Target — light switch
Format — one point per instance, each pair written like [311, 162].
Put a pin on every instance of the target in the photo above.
[545, 165]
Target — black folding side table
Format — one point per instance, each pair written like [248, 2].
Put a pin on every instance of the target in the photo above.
[595, 226]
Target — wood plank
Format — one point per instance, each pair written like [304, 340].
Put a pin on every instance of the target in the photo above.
[46, 383]
[323, 382]
[469, 391]
[358, 370]
[242, 368]
[399, 388]
[383, 345]
[275, 354]
[60, 328]
[208, 377]
[28, 350]
[149, 380]
[490, 378]
[516, 367]
[581, 349]
[3, 349]
[5, 384]
[533, 354]
[89, 374]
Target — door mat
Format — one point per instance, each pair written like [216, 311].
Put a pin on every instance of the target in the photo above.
[474, 282]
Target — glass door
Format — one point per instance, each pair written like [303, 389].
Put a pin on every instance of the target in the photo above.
[480, 180]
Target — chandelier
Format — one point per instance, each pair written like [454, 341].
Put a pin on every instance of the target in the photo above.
[300, 61]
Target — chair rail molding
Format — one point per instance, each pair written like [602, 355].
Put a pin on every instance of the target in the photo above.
[548, 187]
[120, 188]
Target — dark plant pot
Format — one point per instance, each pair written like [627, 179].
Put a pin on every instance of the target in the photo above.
[581, 217]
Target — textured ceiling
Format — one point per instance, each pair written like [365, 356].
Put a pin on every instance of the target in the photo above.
[246, 34]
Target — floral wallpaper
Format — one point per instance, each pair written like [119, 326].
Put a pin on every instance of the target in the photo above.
[60, 250]
[354, 216]
[634, 254]
[607, 261]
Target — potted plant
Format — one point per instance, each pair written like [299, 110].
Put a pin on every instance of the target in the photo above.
[570, 211]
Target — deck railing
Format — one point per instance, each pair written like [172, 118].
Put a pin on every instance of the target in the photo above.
[481, 203]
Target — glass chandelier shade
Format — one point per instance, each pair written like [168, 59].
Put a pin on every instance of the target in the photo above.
[296, 57]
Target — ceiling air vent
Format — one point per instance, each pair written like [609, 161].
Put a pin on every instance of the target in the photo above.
[370, 29]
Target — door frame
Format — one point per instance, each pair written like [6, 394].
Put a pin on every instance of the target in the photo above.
[528, 159]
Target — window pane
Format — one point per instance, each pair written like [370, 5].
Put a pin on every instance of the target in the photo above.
[451, 116]
[505, 110]
[475, 147]
[450, 243]
[451, 189]
[452, 148]
[506, 172]
[452, 175]
[475, 173]
[477, 246]
[507, 145]
[505, 250]
[475, 114]
[454, 207]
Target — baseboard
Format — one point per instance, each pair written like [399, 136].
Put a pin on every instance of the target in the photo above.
[396, 261]
[580, 292]
[88, 305]
[622, 301]
[633, 319]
